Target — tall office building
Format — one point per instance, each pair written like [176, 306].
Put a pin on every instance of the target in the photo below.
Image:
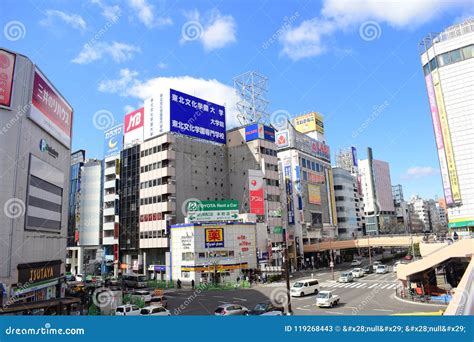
[448, 66]
[377, 195]
[35, 159]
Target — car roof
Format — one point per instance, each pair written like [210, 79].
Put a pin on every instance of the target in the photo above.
[325, 291]
[304, 280]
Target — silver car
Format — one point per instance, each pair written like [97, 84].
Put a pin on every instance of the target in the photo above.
[231, 310]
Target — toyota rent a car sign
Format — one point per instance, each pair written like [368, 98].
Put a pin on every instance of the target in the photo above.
[208, 211]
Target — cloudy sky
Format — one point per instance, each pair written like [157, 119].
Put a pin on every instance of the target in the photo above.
[356, 62]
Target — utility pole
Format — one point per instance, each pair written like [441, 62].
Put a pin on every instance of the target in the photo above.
[287, 272]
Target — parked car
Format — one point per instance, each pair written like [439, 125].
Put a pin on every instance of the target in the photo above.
[154, 311]
[376, 263]
[357, 272]
[159, 300]
[356, 262]
[231, 310]
[304, 287]
[381, 269]
[368, 269]
[134, 280]
[346, 277]
[143, 295]
[327, 299]
[266, 307]
[127, 310]
[273, 313]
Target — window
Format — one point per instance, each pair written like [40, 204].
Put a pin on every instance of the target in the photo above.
[313, 166]
[305, 175]
[426, 69]
[433, 64]
[468, 51]
[303, 162]
[443, 59]
[455, 56]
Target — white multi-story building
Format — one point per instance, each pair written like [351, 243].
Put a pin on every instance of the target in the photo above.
[348, 204]
[448, 66]
[110, 226]
[420, 212]
[377, 195]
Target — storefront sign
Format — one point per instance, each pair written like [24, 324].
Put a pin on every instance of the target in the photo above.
[214, 237]
[38, 271]
[256, 192]
[187, 241]
[7, 68]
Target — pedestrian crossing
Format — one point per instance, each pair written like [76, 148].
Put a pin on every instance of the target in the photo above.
[360, 285]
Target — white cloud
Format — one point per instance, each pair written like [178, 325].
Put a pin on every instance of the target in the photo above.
[417, 172]
[215, 31]
[146, 14]
[119, 52]
[109, 12]
[73, 20]
[128, 85]
[128, 109]
[311, 37]
[162, 65]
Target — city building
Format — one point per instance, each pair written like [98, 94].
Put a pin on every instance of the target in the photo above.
[420, 214]
[380, 217]
[307, 192]
[212, 253]
[448, 63]
[348, 204]
[443, 215]
[35, 139]
[402, 210]
[347, 159]
[397, 193]
[72, 258]
[90, 218]
[253, 180]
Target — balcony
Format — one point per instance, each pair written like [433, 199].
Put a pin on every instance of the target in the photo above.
[108, 225]
[109, 211]
[109, 171]
[110, 184]
[109, 198]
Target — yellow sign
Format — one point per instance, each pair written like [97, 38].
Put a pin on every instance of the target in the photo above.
[443, 120]
[333, 199]
[314, 194]
[309, 123]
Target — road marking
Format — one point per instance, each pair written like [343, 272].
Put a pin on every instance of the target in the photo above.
[361, 285]
[334, 312]
[218, 296]
[353, 285]
[307, 306]
[384, 286]
[373, 285]
[302, 309]
[384, 310]
[241, 299]
[391, 286]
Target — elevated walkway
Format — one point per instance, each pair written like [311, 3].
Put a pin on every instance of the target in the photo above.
[378, 241]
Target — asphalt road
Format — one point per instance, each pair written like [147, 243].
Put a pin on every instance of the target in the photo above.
[373, 294]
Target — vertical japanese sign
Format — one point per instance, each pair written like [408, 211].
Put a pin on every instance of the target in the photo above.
[298, 186]
[50, 110]
[256, 192]
[354, 156]
[7, 69]
[439, 140]
[443, 120]
[195, 117]
[289, 195]
[113, 141]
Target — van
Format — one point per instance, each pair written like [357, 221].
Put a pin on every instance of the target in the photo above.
[304, 287]
[134, 280]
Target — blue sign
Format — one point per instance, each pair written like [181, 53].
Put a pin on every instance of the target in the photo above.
[252, 132]
[298, 187]
[354, 156]
[113, 141]
[196, 117]
[289, 195]
[269, 133]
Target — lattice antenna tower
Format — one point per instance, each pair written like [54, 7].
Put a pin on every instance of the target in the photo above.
[251, 87]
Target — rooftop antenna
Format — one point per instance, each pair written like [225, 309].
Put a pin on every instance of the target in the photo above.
[251, 87]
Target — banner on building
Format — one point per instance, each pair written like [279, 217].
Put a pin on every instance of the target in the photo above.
[289, 194]
[7, 70]
[256, 192]
[314, 194]
[113, 141]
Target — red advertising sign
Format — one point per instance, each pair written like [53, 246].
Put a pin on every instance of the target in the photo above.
[7, 68]
[50, 110]
[134, 120]
[256, 194]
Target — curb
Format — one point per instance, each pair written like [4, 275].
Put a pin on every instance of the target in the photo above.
[417, 303]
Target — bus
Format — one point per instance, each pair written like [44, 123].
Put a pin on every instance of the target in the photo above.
[134, 280]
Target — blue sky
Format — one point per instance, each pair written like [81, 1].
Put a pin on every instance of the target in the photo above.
[356, 62]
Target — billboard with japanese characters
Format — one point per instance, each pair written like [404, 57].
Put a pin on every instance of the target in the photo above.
[214, 237]
[113, 141]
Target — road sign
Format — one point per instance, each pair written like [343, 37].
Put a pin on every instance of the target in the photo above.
[227, 210]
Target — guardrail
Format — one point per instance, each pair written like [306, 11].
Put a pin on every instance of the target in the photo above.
[462, 303]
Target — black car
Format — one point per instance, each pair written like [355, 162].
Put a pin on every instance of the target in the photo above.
[265, 307]
[368, 269]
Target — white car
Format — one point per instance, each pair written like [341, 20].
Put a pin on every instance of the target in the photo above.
[356, 262]
[273, 313]
[143, 295]
[127, 310]
[327, 298]
[304, 287]
[346, 277]
[381, 269]
[154, 311]
[357, 272]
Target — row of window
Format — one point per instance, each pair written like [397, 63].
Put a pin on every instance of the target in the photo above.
[273, 198]
[153, 234]
[156, 199]
[155, 149]
[449, 57]
[154, 182]
[311, 165]
[271, 167]
[155, 166]
[273, 182]
[268, 151]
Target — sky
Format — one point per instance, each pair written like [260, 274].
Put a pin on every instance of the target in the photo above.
[355, 62]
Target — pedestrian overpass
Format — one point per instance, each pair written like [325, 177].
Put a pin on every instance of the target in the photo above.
[365, 242]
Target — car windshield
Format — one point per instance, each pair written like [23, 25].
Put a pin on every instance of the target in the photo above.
[219, 310]
[323, 295]
[145, 311]
[344, 274]
[298, 284]
[259, 307]
[156, 299]
[141, 278]
[119, 309]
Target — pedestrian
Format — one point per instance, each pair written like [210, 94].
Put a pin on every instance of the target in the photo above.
[192, 284]
[178, 284]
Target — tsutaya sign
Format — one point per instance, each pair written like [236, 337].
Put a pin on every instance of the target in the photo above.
[206, 211]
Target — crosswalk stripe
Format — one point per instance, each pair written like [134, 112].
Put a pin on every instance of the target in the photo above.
[384, 286]
[392, 286]
[353, 285]
[361, 285]
[373, 285]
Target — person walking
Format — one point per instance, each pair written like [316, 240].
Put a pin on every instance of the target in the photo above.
[192, 284]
